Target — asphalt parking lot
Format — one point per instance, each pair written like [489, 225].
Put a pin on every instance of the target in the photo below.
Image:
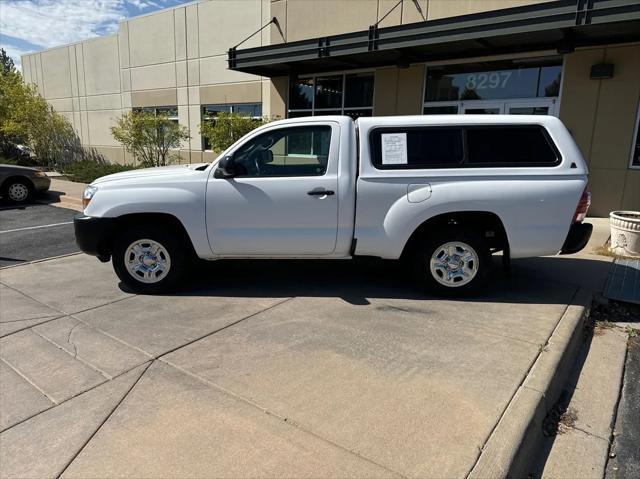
[34, 232]
[266, 368]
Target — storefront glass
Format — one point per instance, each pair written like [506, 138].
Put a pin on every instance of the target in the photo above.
[301, 94]
[328, 92]
[524, 86]
[345, 94]
[447, 84]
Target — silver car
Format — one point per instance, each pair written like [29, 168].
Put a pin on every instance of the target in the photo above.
[18, 184]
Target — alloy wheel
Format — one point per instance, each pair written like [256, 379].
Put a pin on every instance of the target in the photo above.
[147, 261]
[454, 264]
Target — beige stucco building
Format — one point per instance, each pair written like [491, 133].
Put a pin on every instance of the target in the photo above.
[576, 59]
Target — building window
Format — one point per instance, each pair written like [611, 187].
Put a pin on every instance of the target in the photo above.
[635, 148]
[346, 94]
[171, 112]
[210, 112]
[521, 86]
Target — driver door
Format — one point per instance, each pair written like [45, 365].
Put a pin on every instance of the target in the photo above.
[282, 198]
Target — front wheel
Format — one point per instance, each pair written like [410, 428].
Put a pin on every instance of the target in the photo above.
[452, 262]
[148, 259]
[18, 191]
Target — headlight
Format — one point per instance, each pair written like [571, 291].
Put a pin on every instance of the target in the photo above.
[89, 191]
[40, 173]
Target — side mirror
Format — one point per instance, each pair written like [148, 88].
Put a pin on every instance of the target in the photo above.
[226, 168]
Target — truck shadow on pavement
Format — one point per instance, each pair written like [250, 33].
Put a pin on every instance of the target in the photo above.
[546, 280]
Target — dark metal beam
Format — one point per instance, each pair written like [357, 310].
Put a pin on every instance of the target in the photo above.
[561, 24]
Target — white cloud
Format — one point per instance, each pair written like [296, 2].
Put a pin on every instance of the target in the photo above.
[15, 52]
[55, 22]
[142, 4]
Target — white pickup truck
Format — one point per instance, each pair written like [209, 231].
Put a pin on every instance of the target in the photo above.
[443, 192]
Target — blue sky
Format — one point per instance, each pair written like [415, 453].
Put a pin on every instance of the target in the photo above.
[32, 25]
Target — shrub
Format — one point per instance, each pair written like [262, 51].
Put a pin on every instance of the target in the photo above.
[85, 171]
[149, 137]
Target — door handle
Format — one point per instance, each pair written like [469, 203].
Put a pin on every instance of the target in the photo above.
[320, 193]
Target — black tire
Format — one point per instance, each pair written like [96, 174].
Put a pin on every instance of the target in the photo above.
[173, 248]
[18, 190]
[426, 247]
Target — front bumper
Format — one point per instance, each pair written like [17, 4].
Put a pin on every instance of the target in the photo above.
[41, 183]
[93, 235]
[577, 239]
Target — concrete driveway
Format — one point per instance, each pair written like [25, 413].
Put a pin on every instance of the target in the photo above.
[264, 369]
[33, 232]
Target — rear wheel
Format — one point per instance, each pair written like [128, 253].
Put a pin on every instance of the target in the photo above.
[148, 259]
[453, 262]
[18, 190]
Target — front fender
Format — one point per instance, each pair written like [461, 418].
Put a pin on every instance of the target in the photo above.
[184, 203]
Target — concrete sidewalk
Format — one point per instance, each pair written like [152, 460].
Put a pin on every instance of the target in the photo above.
[64, 193]
[264, 369]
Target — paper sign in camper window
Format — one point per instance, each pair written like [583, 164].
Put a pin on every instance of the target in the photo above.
[394, 148]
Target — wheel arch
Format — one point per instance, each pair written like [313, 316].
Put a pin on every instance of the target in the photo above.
[486, 223]
[10, 179]
[164, 219]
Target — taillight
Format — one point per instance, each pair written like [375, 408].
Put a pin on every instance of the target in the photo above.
[583, 206]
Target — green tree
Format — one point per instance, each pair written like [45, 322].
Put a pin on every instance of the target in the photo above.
[149, 137]
[26, 118]
[227, 128]
[6, 63]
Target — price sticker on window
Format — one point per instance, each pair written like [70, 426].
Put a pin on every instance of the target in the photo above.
[394, 148]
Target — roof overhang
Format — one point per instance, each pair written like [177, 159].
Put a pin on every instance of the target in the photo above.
[558, 25]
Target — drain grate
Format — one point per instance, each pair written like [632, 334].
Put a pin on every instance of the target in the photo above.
[623, 283]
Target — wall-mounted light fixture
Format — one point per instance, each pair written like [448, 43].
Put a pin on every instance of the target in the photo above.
[602, 71]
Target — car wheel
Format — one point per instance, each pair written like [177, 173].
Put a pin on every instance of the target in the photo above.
[148, 259]
[453, 262]
[18, 190]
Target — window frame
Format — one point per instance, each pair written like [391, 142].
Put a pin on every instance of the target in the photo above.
[465, 148]
[635, 139]
[293, 127]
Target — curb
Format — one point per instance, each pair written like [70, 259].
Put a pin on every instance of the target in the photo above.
[511, 450]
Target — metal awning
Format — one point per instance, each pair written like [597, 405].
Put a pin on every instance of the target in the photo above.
[560, 25]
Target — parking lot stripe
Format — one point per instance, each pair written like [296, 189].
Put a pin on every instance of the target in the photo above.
[37, 227]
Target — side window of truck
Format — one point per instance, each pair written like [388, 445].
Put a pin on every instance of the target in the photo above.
[295, 151]
[462, 147]
[426, 147]
[527, 145]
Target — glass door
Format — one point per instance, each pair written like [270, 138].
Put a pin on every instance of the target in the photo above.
[482, 107]
[542, 106]
[546, 106]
